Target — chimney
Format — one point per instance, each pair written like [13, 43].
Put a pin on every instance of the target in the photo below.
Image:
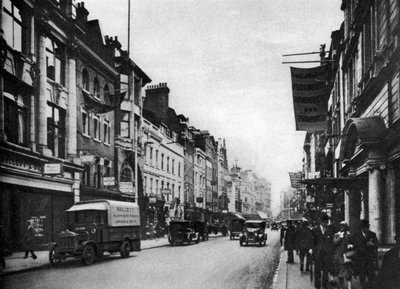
[82, 13]
[66, 7]
[157, 100]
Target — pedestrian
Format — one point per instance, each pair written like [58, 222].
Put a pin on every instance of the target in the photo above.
[290, 241]
[365, 262]
[389, 274]
[304, 241]
[322, 252]
[3, 247]
[282, 236]
[30, 240]
[342, 268]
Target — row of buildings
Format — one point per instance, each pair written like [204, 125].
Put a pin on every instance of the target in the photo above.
[350, 108]
[79, 121]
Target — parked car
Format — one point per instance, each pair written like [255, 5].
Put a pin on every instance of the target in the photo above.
[181, 231]
[95, 227]
[236, 227]
[200, 227]
[254, 232]
[274, 226]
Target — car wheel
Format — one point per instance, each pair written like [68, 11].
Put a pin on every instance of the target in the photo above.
[125, 249]
[241, 243]
[54, 258]
[88, 255]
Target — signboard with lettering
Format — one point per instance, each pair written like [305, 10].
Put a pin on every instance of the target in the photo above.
[52, 169]
[124, 216]
[127, 188]
[108, 181]
[165, 191]
[87, 159]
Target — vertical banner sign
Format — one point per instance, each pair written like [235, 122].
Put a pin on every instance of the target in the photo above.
[295, 180]
[311, 89]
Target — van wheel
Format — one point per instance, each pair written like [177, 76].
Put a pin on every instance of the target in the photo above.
[54, 258]
[88, 255]
[125, 249]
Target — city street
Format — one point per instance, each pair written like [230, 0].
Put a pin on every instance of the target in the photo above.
[217, 263]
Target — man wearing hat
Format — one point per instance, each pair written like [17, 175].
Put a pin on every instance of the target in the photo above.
[365, 263]
[30, 240]
[322, 252]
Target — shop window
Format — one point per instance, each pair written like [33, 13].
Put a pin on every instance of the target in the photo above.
[56, 130]
[96, 127]
[85, 79]
[124, 130]
[96, 88]
[15, 120]
[85, 123]
[12, 25]
[55, 61]
[107, 132]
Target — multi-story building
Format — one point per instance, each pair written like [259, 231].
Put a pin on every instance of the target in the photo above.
[361, 152]
[233, 190]
[59, 100]
[163, 172]
[200, 181]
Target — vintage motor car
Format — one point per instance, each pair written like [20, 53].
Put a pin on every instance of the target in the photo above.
[274, 226]
[236, 227]
[200, 227]
[181, 231]
[95, 227]
[254, 232]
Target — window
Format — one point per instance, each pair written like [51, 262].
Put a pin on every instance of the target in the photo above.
[96, 88]
[107, 132]
[15, 119]
[55, 61]
[157, 187]
[173, 191]
[85, 123]
[173, 166]
[12, 25]
[97, 174]
[56, 130]
[107, 96]
[179, 169]
[85, 79]
[96, 127]
[145, 185]
[124, 130]
[151, 156]
[168, 164]
[126, 174]
[157, 159]
[162, 161]
[124, 86]
[86, 174]
[151, 185]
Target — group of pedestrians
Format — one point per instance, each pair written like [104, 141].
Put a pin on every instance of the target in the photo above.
[334, 256]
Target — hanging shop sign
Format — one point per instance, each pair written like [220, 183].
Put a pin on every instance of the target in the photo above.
[87, 159]
[108, 181]
[152, 200]
[311, 89]
[52, 169]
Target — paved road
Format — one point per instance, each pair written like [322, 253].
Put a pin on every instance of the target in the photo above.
[217, 263]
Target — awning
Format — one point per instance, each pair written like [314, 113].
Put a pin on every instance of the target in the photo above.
[91, 206]
[262, 215]
[337, 182]
[97, 106]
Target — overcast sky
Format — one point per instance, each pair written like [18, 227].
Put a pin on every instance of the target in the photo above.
[222, 60]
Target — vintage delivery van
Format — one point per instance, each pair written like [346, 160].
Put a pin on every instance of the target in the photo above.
[95, 227]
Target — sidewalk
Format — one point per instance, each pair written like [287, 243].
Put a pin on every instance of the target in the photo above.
[289, 276]
[16, 262]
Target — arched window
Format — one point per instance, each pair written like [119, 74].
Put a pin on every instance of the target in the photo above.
[85, 79]
[96, 88]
